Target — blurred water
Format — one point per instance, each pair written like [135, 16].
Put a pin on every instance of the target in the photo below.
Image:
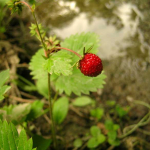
[123, 28]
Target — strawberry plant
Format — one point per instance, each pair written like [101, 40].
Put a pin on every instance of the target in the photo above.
[61, 70]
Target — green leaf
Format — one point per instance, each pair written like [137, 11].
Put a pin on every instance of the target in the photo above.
[16, 113]
[111, 102]
[77, 143]
[4, 76]
[92, 142]
[36, 110]
[114, 142]
[116, 127]
[95, 131]
[36, 65]
[77, 82]
[82, 101]
[60, 109]
[10, 140]
[120, 111]
[59, 63]
[112, 134]
[101, 138]
[109, 125]
[41, 143]
[25, 84]
[97, 113]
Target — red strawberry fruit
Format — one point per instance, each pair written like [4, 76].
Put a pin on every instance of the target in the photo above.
[90, 65]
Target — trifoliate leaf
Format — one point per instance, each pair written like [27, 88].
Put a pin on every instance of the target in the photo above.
[77, 43]
[77, 82]
[92, 142]
[58, 63]
[36, 65]
[10, 140]
[97, 113]
[95, 131]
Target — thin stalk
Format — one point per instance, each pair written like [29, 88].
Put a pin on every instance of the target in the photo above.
[140, 123]
[70, 50]
[42, 41]
[53, 127]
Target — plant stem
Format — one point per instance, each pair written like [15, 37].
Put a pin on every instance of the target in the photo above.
[42, 41]
[53, 127]
[142, 122]
[22, 2]
[70, 50]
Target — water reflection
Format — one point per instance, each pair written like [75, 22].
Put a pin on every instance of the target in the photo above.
[123, 28]
[116, 23]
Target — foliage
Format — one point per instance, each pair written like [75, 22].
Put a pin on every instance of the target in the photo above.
[97, 137]
[15, 6]
[77, 143]
[60, 109]
[82, 101]
[65, 78]
[97, 113]
[9, 138]
[22, 112]
[40, 142]
[4, 76]
[112, 132]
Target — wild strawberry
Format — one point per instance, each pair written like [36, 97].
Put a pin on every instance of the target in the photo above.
[90, 65]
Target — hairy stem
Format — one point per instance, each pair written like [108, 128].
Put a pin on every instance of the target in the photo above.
[42, 41]
[70, 50]
[53, 127]
[22, 2]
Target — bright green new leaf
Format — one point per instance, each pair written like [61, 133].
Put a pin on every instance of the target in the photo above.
[40, 142]
[60, 109]
[97, 113]
[58, 63]
[82, 101]
[95, 131]
[4, 76]
[77, 143]
[101, 138]
[92, 142]
[10, 140]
